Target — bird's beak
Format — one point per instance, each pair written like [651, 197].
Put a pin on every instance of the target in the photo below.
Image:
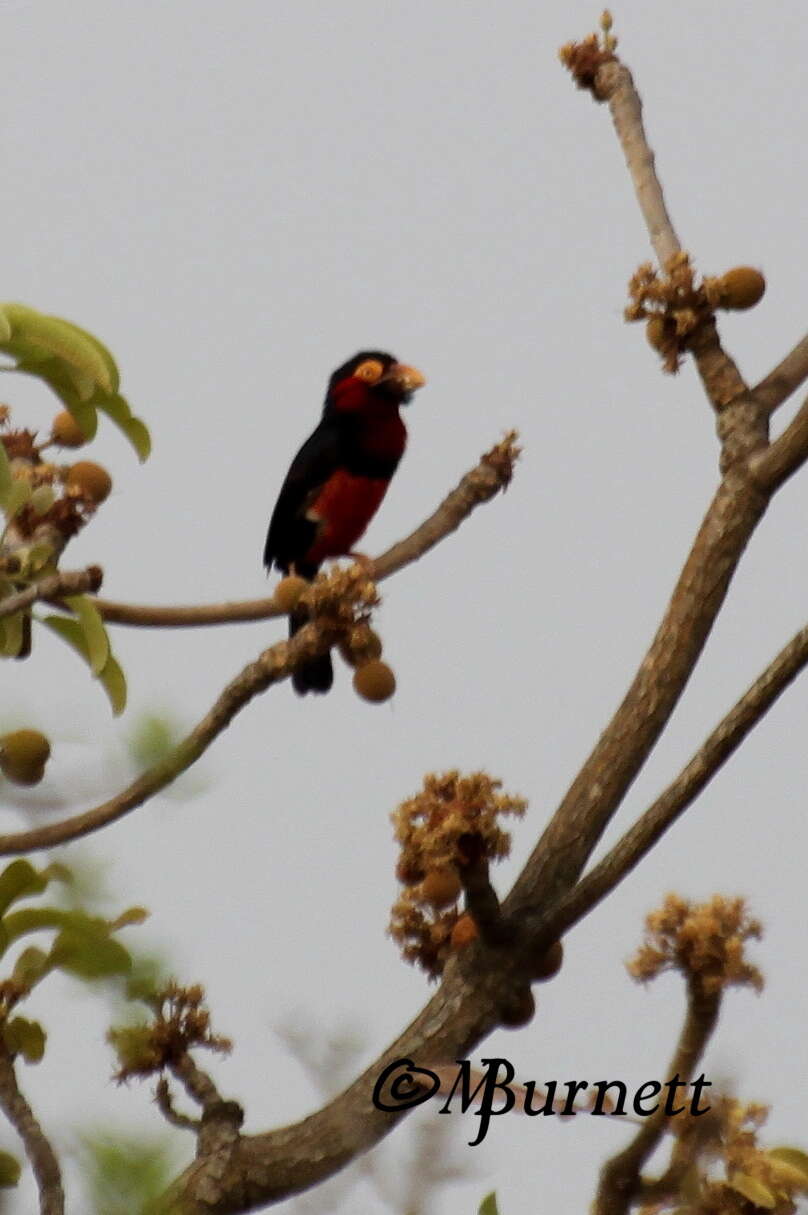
[403, 379]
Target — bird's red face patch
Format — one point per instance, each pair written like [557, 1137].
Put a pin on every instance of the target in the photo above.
[342, 510]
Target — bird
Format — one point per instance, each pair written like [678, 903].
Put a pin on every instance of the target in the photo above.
[337, 480]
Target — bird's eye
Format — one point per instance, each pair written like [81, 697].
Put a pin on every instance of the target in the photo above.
[370, 371]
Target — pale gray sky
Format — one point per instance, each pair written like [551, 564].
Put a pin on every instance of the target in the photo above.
[236, 198]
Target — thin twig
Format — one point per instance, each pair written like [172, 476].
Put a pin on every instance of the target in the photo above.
[272, 665]
[480, 484]
[708, 760]
[54, 586]
[615, 83]
[620, 1177]
[196, 1082]
[788, 452]
[784, 379]
[37, 1147]
[165, 1104]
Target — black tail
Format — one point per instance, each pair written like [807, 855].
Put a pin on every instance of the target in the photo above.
[317, 675]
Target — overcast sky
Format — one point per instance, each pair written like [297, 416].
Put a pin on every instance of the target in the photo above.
[236, 198]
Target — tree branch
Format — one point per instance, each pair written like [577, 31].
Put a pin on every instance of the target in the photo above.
[492, 474]
[54, 586]
[270, 667]
[784, 379]
[275, 664]
[613, 83]
[269, 1167]
[620, 1177]
[708, 760]
[625, 744]
[777, 462]
[37, 1147]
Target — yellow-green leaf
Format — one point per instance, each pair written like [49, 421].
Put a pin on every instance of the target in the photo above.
[19, 880]
[137, 432]
[114, 684]
[793, 1156]
[12, 634]
[111, 677]
[26, 1038]
[31, 966]
[16, 497]
[33, 331]
[35, 919]
[488, 1206]
[5, 326]
[754, 1190]
[59, 379]
[9, 1170]
[94, 630]
[89, 955]
[117, 410]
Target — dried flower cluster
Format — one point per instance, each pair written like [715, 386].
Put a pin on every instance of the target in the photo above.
[180, 1022]
[704, 941]
[673, 305]
[582, 59]
[452, 823]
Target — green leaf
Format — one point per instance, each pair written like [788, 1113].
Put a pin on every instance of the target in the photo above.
[114, 683]
[5, 326]
[111, 676]
[153, 740]
[126, 1173]
[94, 630]
[488, 1206]
[26, 1038]
[89, 955]
[15, 498]
[12, 634]
[35, 919]
[752, 1189]
[137, 432]
[31, 966]
[106, 355]
[58, 379]
[35, 335]
[117, 410]
[19, 880]
[9, 1170]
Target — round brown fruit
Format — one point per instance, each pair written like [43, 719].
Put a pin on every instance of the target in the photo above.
[91, 480]
[288, 592]
[548, 964]
[66, 432]
[656, 331]
[742, 287]
[23, 755]
[518, 1008]
[464, 932]
[374, 681]
[441, 887]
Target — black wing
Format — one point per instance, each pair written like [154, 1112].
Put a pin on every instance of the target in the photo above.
[290, 533]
